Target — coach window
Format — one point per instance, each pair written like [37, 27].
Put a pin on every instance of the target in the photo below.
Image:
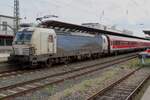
[125, 43]
[114, 42]
[118, 42]
[121, 43]
[129, 43]
[1, 42]
[111, 43]
[8, 42]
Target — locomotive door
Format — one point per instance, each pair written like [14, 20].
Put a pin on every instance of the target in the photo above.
[50, 44]
[105, 44]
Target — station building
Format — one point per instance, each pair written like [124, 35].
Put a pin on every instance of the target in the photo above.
[107, 28]
[6, 30]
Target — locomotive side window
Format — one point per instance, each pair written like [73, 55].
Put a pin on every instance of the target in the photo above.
[50, 38]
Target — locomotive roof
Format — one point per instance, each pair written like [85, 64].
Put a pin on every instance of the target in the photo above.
[78, 28]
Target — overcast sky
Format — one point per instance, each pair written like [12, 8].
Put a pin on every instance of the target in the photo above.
[128, 14]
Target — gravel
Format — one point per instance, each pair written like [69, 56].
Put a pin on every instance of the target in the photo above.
[45, 72]
[45, 93]
[129, 84]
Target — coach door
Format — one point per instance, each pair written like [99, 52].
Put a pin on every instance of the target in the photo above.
[104, 44]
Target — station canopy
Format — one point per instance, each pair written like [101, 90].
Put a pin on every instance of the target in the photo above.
[146, 32]
[63, 26]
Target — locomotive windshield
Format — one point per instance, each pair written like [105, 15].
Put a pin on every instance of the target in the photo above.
[23, 37]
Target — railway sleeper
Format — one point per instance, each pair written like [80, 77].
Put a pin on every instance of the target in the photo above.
[124, 89]
[105, 98]
[110, 98]
[117, 95]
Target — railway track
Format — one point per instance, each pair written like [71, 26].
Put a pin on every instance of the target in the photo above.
[6, 69]
[17, 72]
[14, 72]
[123, 89]
[137, 89]
[28, 86]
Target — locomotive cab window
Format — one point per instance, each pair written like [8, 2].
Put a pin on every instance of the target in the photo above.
[23, 37]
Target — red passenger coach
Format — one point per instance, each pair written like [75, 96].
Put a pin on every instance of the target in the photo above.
[124, 44]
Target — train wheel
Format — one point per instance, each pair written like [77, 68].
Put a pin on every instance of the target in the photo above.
[33, 64]
[48, 63]
[93, 56]
[67, 60]
[116, 53]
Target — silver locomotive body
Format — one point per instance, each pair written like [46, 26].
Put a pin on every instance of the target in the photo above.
[73, 45]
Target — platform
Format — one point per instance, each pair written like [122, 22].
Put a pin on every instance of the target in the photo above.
[5, 49]
[146, 96]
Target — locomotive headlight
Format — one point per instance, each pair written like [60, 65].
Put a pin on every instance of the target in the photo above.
[13, 51]
[31, 50]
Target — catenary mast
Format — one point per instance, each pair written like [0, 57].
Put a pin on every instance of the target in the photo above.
[16, 16]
